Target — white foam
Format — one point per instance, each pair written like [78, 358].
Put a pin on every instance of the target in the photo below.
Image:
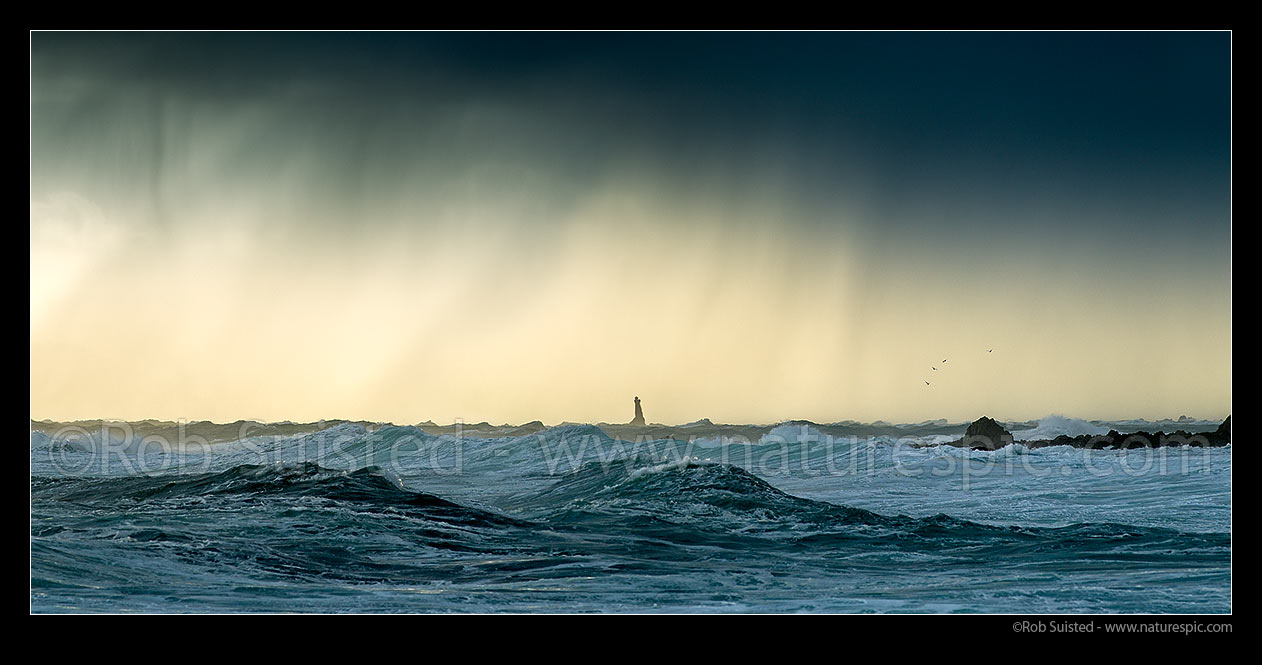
[793, 433]
[1055, 425]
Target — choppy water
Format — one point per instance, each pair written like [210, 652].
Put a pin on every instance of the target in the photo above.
[569, 520]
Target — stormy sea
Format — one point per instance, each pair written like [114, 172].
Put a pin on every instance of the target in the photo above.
[339, 516]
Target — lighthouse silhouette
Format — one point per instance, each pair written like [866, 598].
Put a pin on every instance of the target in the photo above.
[639, 414]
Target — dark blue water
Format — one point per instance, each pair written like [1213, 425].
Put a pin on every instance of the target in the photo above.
[570, 521]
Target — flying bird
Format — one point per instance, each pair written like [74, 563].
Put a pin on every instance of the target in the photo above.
[934, 368]
[989, 350]
[944, 360]
[926, 383]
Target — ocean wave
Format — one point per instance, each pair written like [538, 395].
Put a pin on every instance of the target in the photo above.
[695, 502]
[265, 536]
[1056, 425]
[280, 481]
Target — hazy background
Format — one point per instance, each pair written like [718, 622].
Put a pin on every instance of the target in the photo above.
[519, 226]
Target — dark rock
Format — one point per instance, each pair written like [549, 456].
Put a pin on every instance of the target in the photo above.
[1119, 440]
[986, 434]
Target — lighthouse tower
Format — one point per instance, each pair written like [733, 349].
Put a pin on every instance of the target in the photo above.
[639, 414]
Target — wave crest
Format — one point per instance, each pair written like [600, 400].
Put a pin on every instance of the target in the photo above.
[1055, 425]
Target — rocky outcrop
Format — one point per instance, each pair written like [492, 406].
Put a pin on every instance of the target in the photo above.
[1224, 430]
[985, 434]
[1125, 440]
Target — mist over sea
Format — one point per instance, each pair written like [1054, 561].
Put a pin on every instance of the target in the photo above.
[361, 517]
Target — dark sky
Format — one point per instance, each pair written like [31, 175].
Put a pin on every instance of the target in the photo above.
[1142, 118]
